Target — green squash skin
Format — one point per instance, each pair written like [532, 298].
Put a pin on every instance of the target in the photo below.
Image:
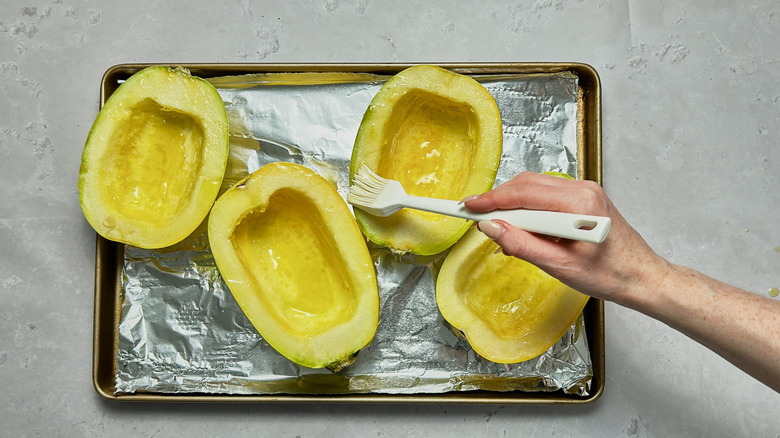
[555, 306]
[490, 158]
[260, 290]
[214, 115]
[467, 251]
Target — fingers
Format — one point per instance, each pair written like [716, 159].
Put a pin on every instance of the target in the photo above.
[515, 193]
[523, 178]
[528, 196]
[542, 192]
[609, 270]
[539, 250]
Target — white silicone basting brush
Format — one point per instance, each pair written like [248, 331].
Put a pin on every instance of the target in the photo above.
[383, 197]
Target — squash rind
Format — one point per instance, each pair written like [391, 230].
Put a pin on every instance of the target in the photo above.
[440, 134]
[154, 159]
[508, 309]
[295, 261]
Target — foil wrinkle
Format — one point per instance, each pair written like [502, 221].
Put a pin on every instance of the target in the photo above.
[180, 330]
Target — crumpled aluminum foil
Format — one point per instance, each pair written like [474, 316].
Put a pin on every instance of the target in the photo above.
[181, 331]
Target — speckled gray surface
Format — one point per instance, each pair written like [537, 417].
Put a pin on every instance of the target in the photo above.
[691, 118]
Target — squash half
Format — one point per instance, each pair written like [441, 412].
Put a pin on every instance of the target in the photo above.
[508, 309]
[154, 159]
[437, 132]
[294, 259]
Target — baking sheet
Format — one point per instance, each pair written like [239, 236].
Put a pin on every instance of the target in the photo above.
[173, 326]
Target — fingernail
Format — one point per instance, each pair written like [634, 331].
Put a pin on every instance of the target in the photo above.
[491, 229]
[467, 199]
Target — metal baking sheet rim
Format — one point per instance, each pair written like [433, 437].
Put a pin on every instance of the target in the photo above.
[108, 255]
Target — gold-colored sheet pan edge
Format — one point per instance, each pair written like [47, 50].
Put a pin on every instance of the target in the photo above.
[108, 255]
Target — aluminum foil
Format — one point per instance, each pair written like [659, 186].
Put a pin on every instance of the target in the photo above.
[180, 330]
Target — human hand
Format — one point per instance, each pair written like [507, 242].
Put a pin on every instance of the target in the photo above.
[621, 265]
[625, 270]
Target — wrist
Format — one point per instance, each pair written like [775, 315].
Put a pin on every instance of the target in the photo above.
[646, 287]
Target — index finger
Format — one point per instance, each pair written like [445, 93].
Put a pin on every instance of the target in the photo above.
[549, 193]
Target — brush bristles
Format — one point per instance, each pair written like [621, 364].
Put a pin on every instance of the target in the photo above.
[366, 187]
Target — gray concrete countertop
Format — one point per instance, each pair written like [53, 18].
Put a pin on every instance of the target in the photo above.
[691, 121]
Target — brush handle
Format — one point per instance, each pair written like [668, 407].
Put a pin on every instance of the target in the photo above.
[582, 227]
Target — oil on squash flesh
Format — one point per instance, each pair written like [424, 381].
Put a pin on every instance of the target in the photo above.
[293, 257]
[154, 159]
[439, 134]
[157, 142]
[287, 248]
[508, 309]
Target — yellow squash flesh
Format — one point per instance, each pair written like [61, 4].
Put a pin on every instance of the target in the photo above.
[508, 309]
[154, 159]
[437, 132]
[294, 259]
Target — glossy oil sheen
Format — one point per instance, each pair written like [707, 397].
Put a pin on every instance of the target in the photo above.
[438, 133]
[430, 145]
[295, 264]
[505, 303]
[152, 161]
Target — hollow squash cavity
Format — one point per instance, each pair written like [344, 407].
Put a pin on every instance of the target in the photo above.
[285, 248]
[289, 249]
[430, 144]
[152, 161]
[155, 158]
[505, 303]
[439, 134]
[508, 309]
